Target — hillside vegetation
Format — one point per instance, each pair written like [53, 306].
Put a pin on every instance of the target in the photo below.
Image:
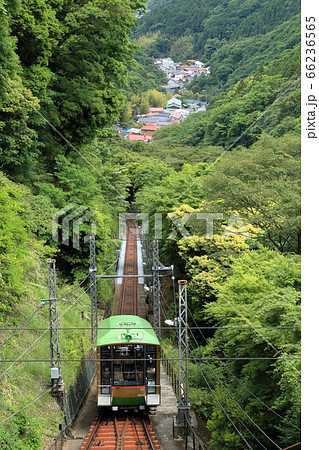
[233, 37]
[70, 66]
[64, 66]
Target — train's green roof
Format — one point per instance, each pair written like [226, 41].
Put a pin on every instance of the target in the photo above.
[125, 329]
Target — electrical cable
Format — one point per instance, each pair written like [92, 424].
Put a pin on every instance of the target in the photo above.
[29, 348]
[237, 139]
[41, 306]
[31, 403]
[229, 371]
[154, 359]
[22, 326]
[237, 311]
[223, 409]
[221, 406]
[162, 328]
[292, 446]
[60, 134]
[69, 293]
[235, 401]
[195, 359]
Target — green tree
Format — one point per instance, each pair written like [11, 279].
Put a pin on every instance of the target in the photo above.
[14, 241]
[19, 143]
[264, 189]
[263, 290]
[90, 66]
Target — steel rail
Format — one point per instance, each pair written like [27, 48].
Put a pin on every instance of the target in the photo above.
[93, 434]
[150, 443]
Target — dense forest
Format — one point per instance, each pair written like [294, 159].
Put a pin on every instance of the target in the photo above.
[70, 70]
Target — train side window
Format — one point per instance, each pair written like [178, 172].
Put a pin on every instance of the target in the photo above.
[105, 369]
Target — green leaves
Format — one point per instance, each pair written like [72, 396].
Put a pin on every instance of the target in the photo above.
[263, 185]
[90, 64]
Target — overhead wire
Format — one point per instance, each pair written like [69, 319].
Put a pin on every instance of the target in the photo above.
[236, 429]
[235, 401]
[163, 327]
[68, 293]
[22, 326]
[195, 359]
[237, 311]
[234, 376]
[154, 359]
[223, 409]
[29, 404]
[29, 348]
[47, 329]
[238, 138]
[38, 309]
[60, 134]
[225, 412]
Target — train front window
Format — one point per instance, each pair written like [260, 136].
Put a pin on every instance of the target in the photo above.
[128, 367]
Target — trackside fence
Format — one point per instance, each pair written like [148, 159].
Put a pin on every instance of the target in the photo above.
[74, 398]
[77, 392]
[192, 440]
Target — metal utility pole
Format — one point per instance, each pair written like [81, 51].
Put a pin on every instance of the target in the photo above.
[93, 294]
[183, 405]
[156, 291]
[157, 266]
[54, 326]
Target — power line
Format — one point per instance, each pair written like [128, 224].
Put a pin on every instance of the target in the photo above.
[40, 307]
[157, 359]
[69, 293]
[234, 412]
[29, 348]
[223, 409]
[225, 412]
[250, 392]
[163, 328]
[236, 310]
[291, 446]
[60, 134]
[230, 395]
[47, 329]
[237, 139]
[31, 403]
[22, 326]
[238, 405]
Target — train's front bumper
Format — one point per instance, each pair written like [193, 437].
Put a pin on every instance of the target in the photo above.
[129, 396]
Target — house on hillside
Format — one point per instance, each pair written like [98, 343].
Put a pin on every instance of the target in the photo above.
[156, 110]
[174, 103]
[149, 128]
[177, 75]
[171, 86]
[156, 119]
[135, 137]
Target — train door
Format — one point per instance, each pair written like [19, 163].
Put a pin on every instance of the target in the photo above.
[106, 368]
[151, 368]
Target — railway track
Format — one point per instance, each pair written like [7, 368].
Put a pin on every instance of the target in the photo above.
[130, 431]
[129, 297]
[127, 432]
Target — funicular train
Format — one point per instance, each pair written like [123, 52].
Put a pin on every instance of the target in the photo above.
[128, 364]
